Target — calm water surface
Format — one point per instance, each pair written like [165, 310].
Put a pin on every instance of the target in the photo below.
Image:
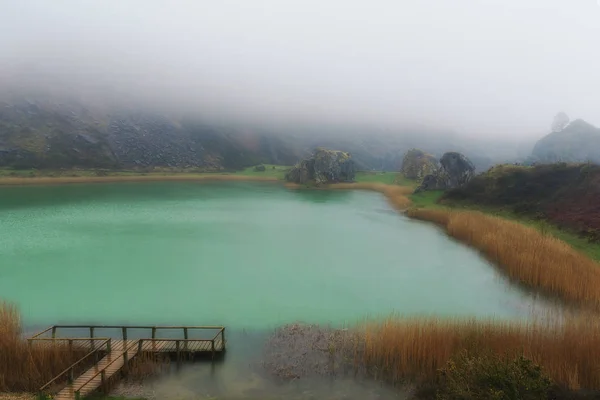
[246, 255]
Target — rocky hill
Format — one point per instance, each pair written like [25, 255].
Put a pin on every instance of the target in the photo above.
[44, 134]
[51, 131]
[577, 142]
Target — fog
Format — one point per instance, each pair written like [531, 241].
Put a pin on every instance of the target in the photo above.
[482, 67]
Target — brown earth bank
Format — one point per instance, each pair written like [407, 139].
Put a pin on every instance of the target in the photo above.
[567, 195]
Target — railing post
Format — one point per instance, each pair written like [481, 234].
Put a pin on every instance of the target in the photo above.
[103, 381]
[92, 337]
[177, 351]
[185, 336]
[71, 346]
[212, 342]
[70, 375]
[124, 330]
[223, 338]
[53, 332]
[154, 332]
[140, 346]
[109, 345]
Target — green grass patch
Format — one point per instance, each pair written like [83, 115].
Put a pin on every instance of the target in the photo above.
[388, 178]
[274, 171]
[427, 199]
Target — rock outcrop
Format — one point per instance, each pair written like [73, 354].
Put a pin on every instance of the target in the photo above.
[324, 166]
[577, 142]
[455, 171]
[417, 164]
[48, 133]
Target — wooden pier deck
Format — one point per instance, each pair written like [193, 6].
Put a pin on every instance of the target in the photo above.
[109, 357]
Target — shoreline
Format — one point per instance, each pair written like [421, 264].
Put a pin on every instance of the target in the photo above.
[64, 180]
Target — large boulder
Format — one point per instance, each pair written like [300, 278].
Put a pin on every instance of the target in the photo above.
[457, 168]
[417, 164]
[324, 166]
[455, 171]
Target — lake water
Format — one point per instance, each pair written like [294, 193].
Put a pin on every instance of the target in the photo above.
[251, 256]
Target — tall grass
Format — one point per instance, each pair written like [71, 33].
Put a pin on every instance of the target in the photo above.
[524, 254]
[25, 369]
[400, 350]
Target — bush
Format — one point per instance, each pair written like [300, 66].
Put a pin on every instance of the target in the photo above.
[259, 168]
[490, 377]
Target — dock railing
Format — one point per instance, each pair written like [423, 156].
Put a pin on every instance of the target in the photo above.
[102, 373]
[125, 328]
[68, 375]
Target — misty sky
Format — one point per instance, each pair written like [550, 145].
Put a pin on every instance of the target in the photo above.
[495, 67]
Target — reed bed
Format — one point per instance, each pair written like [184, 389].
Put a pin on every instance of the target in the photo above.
[25, 369]
[401, 350]
[524, 254]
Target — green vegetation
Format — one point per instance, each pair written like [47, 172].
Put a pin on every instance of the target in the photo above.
[274, 171]
[431, 200]
[531, 196]
[427, 199]
[388, 178]
[490, 377]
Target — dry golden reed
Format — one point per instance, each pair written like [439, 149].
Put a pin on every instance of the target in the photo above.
[25, 369]
[524, 254]
[413, 349]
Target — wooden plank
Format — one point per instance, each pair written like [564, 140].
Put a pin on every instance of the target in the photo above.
[111, 363]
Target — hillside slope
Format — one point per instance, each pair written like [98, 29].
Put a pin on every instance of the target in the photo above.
[49, 134]
[567, 195]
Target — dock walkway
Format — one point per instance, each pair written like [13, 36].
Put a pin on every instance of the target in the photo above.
[109, 357]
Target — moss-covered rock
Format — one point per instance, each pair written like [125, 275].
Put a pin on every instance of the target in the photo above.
[324, 166]
[455, 170]
[417, 164]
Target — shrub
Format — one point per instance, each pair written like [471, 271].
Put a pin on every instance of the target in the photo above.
[489, 377]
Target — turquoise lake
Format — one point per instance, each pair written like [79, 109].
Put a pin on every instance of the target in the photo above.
[245, 255]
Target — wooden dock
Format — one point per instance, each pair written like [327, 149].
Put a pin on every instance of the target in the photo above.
[109, 357]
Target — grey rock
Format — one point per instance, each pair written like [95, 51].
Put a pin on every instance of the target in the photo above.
[456, 170]
[324, 166]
